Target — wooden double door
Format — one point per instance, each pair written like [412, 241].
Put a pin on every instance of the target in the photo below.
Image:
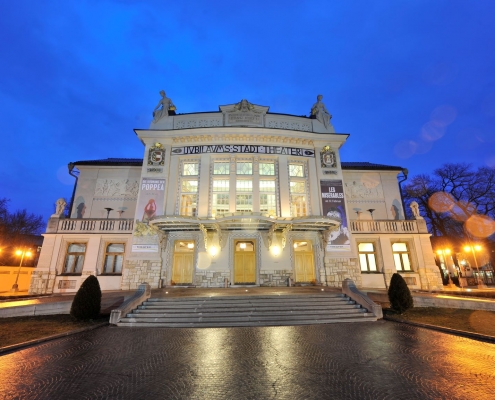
[183, 264]
[244, 262]
[304, 263]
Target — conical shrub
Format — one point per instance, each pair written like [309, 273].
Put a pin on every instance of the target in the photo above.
[87, 301]
[399, 294]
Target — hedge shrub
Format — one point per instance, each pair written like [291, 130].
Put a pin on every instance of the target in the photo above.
[87, 302]
[399, 294]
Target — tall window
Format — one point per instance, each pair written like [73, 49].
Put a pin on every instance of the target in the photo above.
[401, 256]
[367, 257]
[297, 188]
[220, 200]
[221, 168]
[74, 258]
[114, 258]
[268, 201]
[189, 189]
[244, 195]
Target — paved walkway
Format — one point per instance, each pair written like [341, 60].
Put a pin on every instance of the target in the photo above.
[382, 360]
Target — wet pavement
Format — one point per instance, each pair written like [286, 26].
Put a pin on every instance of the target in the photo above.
[382, 360]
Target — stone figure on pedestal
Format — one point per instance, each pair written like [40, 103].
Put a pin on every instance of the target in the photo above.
[415, 210]
[60, 207]
[320, 112]
[164, 105]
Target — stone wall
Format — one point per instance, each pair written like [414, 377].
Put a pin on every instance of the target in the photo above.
[211, 278]
[275, 278]
[139, 271]
[39, 282]
[339, 268]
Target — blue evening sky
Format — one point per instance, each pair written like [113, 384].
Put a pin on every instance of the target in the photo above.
[412, 81]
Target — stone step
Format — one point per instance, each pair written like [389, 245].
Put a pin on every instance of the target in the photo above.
[179, 306]
[261, 315]
[364, 317]
[317, 297]
[247, 308]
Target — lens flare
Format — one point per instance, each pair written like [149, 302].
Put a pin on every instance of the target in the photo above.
[441, 202]
[462, 210]
[480, 226]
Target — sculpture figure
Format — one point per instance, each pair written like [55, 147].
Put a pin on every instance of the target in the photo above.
[320, 112]
[164, 105]
[60, 206]
[415, 209]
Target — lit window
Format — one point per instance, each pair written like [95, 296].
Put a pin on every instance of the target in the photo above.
[267, 169]
[401, 257]
[114, 258]
[220, 197]
[188, 197]
[221, 168]
[190, 169]
[244, 202]
[296, 170]
[268, 201]
[298, 187]
[367, 257]
[244, 168]
[74, 259]
[244, 186]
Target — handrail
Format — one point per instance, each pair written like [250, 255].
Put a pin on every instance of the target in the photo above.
[350, 290]
[142, 293]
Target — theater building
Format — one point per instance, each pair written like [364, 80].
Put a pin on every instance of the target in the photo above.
[236, 197]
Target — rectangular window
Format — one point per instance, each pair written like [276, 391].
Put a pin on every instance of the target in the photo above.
[367, 257]
[189, 197]
[221, 168]
[296, 170]
[401, 257]
[190, 169]
[244, 202]
[244, 185]
[267, 168]
[220, 197]
[268, 198]
[114, 258]
[74, 259]
[244, 168]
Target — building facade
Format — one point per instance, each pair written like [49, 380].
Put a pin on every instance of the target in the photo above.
[237, 197]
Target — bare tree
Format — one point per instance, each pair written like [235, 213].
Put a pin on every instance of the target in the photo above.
[451, 195]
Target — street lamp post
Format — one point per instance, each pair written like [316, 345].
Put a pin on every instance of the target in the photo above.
[481, 284]
[443, 253]
[22, 253]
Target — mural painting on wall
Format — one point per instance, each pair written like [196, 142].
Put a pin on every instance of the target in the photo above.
[79, 208]
[327, 157]
[332, 201]
[152, 198]
[156, 155]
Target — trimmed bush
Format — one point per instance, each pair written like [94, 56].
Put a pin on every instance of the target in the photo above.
[399, 294]
[87, 302]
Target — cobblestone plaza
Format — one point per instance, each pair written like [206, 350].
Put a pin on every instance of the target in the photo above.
[382, 360]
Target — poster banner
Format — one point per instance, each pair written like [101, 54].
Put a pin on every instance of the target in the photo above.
[333, 206]
[151, 199]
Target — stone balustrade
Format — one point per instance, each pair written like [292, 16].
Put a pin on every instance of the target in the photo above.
[95, 225]
[385, 226]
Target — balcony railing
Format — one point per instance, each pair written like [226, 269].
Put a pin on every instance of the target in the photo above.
[387, 226]
[88, 225]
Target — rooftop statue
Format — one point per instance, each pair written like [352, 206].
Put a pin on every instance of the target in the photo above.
[320, 112]
[244, 105]
[163, 107]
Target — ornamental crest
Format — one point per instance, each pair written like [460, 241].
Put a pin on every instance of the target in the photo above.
[156, 155]
[328, 159]
[244, 106]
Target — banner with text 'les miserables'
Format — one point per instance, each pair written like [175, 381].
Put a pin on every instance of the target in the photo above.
[333, 206]
[151, 198]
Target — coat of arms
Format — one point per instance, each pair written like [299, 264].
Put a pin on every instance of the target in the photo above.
[328, 159]
[156, 155]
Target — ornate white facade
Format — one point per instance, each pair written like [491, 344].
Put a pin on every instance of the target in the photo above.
[236, 197]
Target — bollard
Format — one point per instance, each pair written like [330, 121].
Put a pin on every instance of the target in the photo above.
[226, 283]
[289, 282]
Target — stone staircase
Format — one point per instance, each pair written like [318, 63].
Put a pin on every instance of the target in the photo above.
[249, 310]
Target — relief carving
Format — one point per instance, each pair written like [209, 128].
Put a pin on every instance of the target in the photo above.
[117, 187]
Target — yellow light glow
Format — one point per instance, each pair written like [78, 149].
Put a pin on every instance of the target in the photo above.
[477, 247]
[467, 248]
[447, 251]
[28, 254]
[213, 250]
[439, 252]
[18, 252]
[295, 245]
[275, 250]
[190, 245]
[242, 245]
